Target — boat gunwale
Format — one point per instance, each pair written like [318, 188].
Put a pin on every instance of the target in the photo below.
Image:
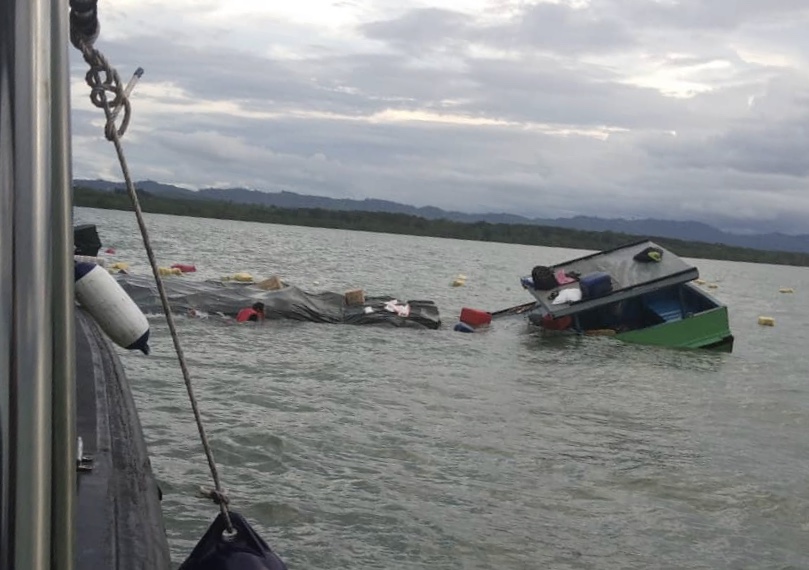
[615, 295]
[716, 339]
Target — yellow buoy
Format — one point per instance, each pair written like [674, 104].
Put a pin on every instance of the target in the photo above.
[786, 290]
[242, 277]
[713, 286]
[459, 281]
[164, 271]
[700, 281]
[120, 265]
[766, 321]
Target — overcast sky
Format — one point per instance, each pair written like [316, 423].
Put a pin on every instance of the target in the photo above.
[677, 109]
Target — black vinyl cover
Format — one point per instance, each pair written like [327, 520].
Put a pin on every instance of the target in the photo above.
[246, 550]
[86, 240]
[288, 303]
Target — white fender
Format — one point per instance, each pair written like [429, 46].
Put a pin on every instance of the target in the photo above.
[111, 307]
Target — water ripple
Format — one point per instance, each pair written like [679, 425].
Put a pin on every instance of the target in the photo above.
[377, 448]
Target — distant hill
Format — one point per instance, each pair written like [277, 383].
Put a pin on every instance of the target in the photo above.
[690, 231]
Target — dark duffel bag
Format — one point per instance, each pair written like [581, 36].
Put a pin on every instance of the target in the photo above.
[544, 279]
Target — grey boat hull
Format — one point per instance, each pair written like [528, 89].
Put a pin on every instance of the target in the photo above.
[119, 518]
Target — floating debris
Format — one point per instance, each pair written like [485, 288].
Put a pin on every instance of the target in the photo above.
[354, 297]
[459, 281]
[166, 271]
[475, 317]
[271, 284]
[242, 277]
[464, 328]
[185, 267]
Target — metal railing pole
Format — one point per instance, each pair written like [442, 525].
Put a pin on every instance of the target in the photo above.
[63, 534]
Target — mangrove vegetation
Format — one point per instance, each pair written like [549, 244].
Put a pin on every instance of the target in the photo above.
[413, 225]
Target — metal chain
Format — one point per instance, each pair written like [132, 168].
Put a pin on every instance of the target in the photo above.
[111, 83]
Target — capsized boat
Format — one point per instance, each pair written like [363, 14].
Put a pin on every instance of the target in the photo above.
[640, 292]
[289, 302]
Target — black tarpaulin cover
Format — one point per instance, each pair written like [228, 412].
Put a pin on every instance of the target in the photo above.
[86, 240]
[245, 550]
[229, 298]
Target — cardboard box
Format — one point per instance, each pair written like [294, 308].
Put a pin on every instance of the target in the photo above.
[355, 297]
[271, 284]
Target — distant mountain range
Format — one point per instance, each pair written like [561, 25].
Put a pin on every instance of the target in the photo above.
[691, 231]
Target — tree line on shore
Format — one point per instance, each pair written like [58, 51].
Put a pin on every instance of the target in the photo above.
[385, 222]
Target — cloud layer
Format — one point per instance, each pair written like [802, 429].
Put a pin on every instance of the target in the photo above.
[619, 108]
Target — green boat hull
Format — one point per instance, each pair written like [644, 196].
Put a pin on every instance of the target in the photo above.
[709, 329]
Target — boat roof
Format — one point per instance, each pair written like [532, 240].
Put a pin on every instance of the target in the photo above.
[630, 278]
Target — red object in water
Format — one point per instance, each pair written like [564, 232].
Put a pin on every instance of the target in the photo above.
[474, 317]
[560, 324]
[248, 314]
[109, 250]
[184, 267]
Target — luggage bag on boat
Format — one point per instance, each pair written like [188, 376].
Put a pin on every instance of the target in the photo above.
[544, 279]
[594, 285]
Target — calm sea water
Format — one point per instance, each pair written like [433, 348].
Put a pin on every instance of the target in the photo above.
[381, 448]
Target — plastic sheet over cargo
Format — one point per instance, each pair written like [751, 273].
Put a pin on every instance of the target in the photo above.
[229, 298]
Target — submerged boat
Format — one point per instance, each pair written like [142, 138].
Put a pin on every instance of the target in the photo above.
[289, 302]
[639, 292]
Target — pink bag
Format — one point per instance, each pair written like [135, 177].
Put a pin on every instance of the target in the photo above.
[562, 278]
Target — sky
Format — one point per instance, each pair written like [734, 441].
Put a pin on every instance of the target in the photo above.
[671, 109]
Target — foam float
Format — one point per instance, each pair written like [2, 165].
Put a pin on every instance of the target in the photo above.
[242, 277]
[459, 281]
[166, 271]
[110, 306]
[185, 267]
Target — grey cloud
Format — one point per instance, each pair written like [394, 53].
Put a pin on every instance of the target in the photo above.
[771, 137]
[713, 14]
[471, 168]
[553, 27]
[537, 89]
[727, 150]
[562, 29]
[420, 29]
[779, 149]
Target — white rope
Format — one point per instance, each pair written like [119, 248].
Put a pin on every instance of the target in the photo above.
[111, 83]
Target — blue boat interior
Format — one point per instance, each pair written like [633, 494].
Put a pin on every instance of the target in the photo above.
[662, 306]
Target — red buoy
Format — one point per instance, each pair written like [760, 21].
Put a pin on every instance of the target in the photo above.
[110, 251]
[184, 267]
[474, 317]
